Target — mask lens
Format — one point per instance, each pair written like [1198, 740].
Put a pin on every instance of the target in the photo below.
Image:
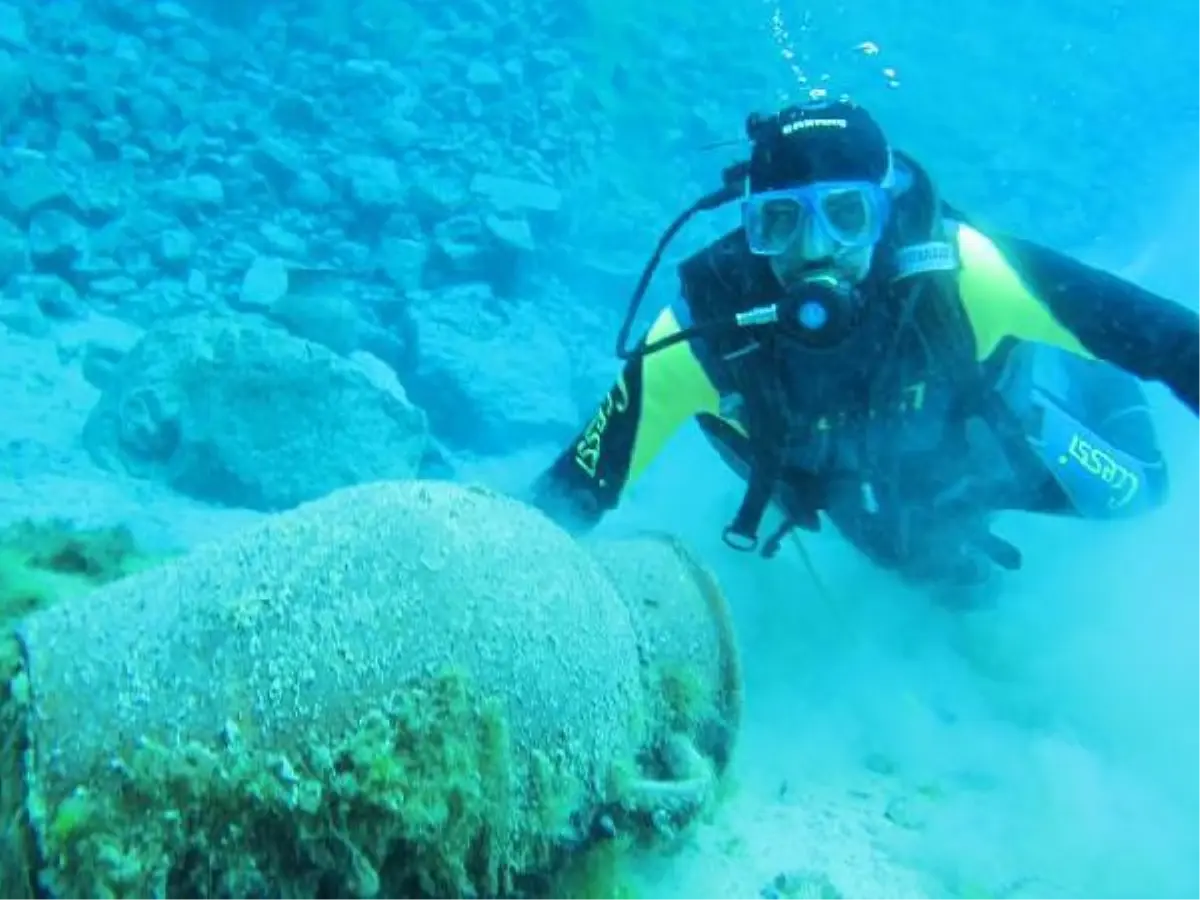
[848, 215]
[772, 223]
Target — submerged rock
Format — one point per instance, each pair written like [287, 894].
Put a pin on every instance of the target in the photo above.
[233, 409]
[42, 563]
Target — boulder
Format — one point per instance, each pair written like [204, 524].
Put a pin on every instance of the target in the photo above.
[233, 409]
[492, 375]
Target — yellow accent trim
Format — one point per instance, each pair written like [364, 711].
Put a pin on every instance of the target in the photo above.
[998, 303]
[675, 387]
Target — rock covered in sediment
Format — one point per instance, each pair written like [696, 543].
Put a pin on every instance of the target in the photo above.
[231, 408]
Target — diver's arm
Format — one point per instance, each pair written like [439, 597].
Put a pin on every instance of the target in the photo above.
[1115, 320]
[652, 397]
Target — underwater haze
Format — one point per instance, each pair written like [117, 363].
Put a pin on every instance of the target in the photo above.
[255, 253]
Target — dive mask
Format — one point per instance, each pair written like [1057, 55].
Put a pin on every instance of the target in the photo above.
[827, 217]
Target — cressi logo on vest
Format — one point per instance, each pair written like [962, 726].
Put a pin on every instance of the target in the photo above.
[802, 124]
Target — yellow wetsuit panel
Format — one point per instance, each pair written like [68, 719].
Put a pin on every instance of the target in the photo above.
[999, 304]
[674, 388]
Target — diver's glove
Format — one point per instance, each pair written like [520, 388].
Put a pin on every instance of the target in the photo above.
[996, 549]
[963, 568]
[574, 510]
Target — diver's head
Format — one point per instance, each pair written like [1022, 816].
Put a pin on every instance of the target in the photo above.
[817, 196]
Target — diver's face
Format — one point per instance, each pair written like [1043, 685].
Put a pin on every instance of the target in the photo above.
[799, 261]
[827, 226]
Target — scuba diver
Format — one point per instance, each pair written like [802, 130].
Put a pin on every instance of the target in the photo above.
[858, 349]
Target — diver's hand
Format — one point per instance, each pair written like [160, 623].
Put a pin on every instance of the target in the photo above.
[576, 512]
[965, 568]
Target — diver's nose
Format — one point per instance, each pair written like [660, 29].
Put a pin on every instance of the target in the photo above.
[815, 244]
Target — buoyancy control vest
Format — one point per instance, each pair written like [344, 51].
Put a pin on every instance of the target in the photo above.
[899, 342]
[891, 368]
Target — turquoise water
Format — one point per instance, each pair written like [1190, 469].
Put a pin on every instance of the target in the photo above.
[425, 220]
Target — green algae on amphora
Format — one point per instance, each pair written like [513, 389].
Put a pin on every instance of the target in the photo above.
[425, 798]
[42, 563]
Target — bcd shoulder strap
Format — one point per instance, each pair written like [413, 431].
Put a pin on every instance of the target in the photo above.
[721, 279]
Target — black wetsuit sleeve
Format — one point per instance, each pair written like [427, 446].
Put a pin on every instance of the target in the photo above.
[651, 398]
[1115, 320]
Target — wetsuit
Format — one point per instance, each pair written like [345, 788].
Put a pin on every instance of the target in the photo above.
[1020, 391]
